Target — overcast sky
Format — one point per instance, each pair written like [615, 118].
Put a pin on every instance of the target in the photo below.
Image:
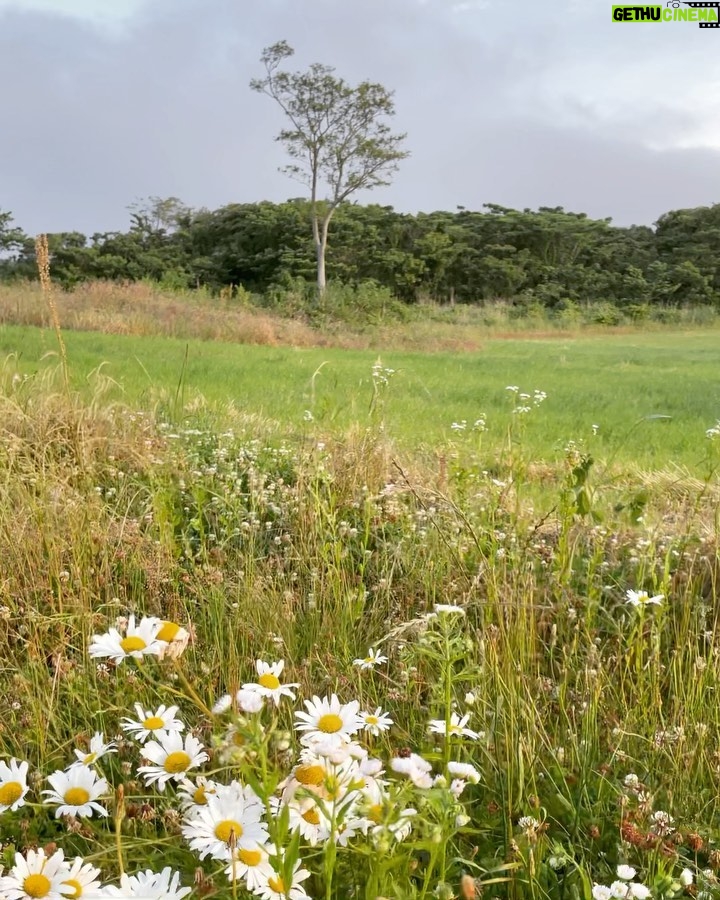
[517, 102]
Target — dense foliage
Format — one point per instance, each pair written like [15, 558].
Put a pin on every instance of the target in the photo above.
[537, 258]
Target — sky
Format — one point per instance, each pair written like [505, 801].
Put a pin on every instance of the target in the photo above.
[524, 103]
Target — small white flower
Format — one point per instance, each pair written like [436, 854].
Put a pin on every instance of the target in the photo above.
[328, 720]
[139, 640]
[152, 723]
[149, 885]
[269, 684]
[172, 758]
[686, 878]
[275, 888]
[251, 701]
[372, 659]
[77, 791]
[252, 865]
[377, 722]
[98, 749]
[464, 770]
[448, 609]
[626, 873]
[601, 892]
[36, 877]
[642, 598]
[415, 768]
[470, 699]
[83, 879]
[13, 785]
[458, 727]
[231, 818]
[222, 705]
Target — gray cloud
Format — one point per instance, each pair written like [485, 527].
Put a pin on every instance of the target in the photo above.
[516, 103]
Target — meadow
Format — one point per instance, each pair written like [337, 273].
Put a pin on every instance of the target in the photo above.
[509, 623]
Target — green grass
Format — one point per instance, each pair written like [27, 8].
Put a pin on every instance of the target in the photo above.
[616, 382]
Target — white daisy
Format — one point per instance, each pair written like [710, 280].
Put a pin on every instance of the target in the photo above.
[372, 659]
[377, 722]
[98, 749]
[175, 639]
[458, 726]
[192, 794]
[642, 598]
[228, 820]
[289, 889]
[172, 758]
[251, 864]
[149, 885]
[82, 878]
[152, 723]
[306, 816]
[328, 720]
[77, 791]
[465, 771]
[36, 877]
[269, 684]
[138, 641]
[13, 785]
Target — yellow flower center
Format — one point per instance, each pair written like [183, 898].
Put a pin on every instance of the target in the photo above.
[177, 762]
[375, 813]
[455, 729]
[227, 829]
[36, 885]
[276, 884]
[200, 797]
[310, 775]
[132, 643]
[311, 816]
[76, 796]
[371, 720]
[269, 681]
[168, 632]
[153, 722]
[10, 792]
[369, 659]
[330, 723]
[77, 888]
[250, 857]
[89, 759]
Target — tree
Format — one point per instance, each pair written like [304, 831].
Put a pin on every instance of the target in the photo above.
[337, 137]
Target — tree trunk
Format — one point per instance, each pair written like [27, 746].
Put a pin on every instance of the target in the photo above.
[320, 255]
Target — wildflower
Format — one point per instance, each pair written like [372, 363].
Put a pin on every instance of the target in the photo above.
[448, 609]
[458, 726]
[377, 722]
[662, 823]
[626, 873]
[464, 770]
[98, 749]
[174, 637]
[149, 885]
[13, 785]
[528, 824]
[601, 892]
[172, 758]
[250, 701]
[398, 829]
[642, 598]
[269, 684]
[230, 819]
[139, 640]
[623, 890]
[82, 878]
[37, 877]
[328, 720]
[222, 705]
[415, 767]
[306, 816]
[77, 791]
[470, 699]
[290, 889]
[371, 660]
[152, 723]
[196, 793]
[686, 878]
[252, 864]
[631, 781]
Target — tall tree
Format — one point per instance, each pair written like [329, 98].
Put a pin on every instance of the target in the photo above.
[337, 137]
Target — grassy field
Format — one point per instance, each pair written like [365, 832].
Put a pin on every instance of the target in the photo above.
[651, 396]
[542, 723]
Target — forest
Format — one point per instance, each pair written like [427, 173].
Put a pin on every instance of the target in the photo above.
[548, 258]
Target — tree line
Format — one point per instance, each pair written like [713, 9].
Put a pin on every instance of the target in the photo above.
[549, 257]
